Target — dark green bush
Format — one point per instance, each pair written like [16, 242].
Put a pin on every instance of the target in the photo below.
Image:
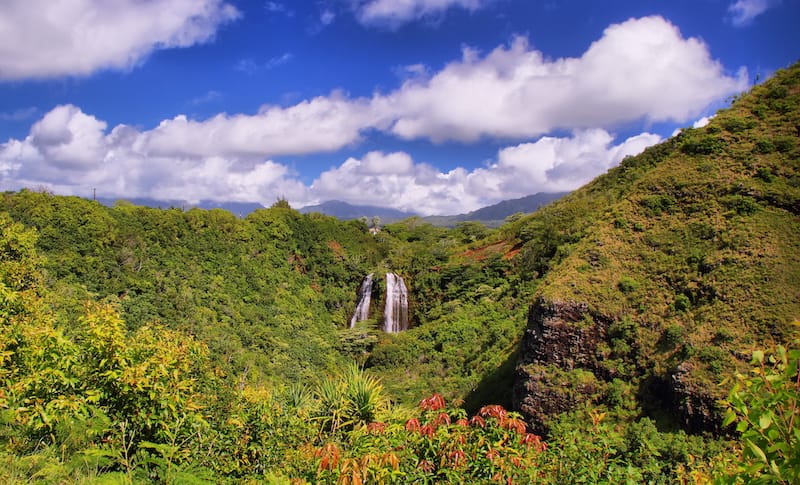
[673, 334]
[714, 357]
[764, 146]
[765, 174]
[736, 124]
[785, 144]
[704, 145]
[658, 204]
[681, 303]
[628, 285]
[742, 205]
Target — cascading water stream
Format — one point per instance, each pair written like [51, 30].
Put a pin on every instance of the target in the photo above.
[364, 296]
[395, 315]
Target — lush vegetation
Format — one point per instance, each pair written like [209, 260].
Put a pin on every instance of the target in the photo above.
[191, 346]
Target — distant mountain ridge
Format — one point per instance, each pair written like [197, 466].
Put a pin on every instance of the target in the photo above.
[346, 211]
[492, 215]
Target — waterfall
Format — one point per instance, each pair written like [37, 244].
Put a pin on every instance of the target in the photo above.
[395, 316]
[362, 308]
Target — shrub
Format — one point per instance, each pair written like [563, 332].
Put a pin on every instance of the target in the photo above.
[765, 174]
[628, 285]
[704, 145]
[714, 357]
[785, 144]
[436, 444]
[766, 407]
[740, 204]
[723, 335]
[681, 303]
[673, 335]
[658, 204]
[736, 124]
[764, 146]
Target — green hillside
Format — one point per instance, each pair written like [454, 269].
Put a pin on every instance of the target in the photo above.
[144, 345]
[672, 265]
[267, 293]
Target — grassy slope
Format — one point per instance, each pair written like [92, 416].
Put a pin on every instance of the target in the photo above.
[694, 241]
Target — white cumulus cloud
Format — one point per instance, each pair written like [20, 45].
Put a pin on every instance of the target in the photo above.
[554, 164]
[396, 12]
[398, 182]
[550, 164]
[639, 69]
[744, 11]
[322, 124]
[72, 152]
[47, 38]
[702, 122]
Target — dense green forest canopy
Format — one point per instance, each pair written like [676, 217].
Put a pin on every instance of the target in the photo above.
[194, 346]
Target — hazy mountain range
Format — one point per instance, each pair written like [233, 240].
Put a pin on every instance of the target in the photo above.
[492, 215]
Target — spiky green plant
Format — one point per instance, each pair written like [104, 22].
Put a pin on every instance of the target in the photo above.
[348, 399]
[297, 396]
[332, 404]
[365, 395]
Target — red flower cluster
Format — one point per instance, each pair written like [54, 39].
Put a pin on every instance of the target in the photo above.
[376, 428]
[506, 420]
[496, 411]
[329, 456]
[530, 439]
[477, 421]
[513, 424]
[412, 424]
[432, 403]
[457, 457]
[428, 430]
[442, 418]
[493, 410]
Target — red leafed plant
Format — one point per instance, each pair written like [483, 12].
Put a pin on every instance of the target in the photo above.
[435, 444]
[433, 403]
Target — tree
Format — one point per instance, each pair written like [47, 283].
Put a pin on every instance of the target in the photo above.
[281, 203]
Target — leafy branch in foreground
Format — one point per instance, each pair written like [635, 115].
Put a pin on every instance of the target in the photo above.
[766, 405]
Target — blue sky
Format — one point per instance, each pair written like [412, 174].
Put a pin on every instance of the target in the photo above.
[433, 106]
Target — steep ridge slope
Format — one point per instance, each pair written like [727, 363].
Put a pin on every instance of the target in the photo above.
[666, 270]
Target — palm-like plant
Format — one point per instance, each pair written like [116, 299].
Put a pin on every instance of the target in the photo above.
[349, 399]
[365, 395]
[332, 405]
[297, 397]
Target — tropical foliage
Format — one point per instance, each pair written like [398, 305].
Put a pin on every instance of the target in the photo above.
[171, 346]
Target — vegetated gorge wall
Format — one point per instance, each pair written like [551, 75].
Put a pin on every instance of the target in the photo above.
[395, 314]
[562, 363]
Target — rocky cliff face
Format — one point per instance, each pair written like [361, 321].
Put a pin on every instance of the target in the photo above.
[558, 360]
[697, 409]
[563, 362]
[563, 334]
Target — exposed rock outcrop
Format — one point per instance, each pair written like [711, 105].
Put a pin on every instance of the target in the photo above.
[697, 409]
[562, 333]
[558, 360]
[563, 363]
